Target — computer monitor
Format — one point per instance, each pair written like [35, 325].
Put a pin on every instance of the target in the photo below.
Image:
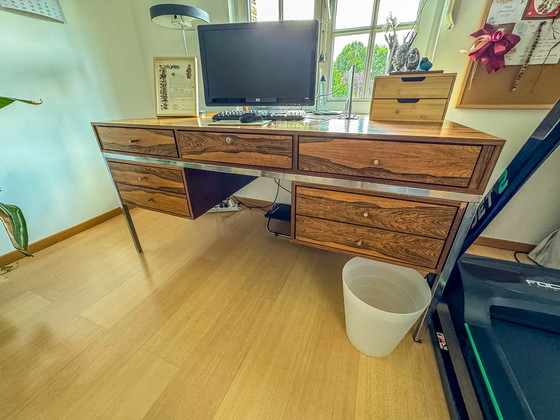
[259, 64]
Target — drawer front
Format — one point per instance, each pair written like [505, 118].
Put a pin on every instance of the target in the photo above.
[397, 215]
[138, 140]
[245, 149]
[408, 109]
[166, 179]
[154, 199]
[427, 163]
[417, 86]
[403, 248]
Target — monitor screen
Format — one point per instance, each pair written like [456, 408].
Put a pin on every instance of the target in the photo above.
[259, 64]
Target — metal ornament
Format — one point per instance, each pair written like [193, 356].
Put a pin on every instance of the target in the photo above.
[413, 59]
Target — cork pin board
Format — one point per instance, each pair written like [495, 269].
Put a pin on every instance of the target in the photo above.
[539, 85]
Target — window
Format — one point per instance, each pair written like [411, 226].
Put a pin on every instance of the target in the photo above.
[353, 32]
[274, 10]
[358, 38]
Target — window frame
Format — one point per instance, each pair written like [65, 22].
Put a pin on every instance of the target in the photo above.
[428, 27]
[372, 30]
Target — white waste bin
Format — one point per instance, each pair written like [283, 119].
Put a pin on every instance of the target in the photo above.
[381, 302]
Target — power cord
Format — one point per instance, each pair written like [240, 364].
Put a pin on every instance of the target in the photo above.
[333, 92]
[278, 183]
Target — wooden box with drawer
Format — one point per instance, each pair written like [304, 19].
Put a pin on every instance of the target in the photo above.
[394, 228]
[414, 97]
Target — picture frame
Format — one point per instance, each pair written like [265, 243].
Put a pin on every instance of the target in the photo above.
[541, 9]
[176, 86]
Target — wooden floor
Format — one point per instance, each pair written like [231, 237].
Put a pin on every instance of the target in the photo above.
[216, 320]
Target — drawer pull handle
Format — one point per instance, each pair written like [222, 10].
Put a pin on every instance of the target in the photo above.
[359, 242]
[413, 79]
[408, 101]
[150, 200]
[142, 178]
[366, 214]
[376, 162]
[132, 141]
[229, 140]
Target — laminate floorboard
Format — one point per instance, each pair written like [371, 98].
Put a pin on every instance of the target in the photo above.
[215, 320]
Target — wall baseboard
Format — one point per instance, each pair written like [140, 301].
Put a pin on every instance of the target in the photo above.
[13, 256]
[504, 244]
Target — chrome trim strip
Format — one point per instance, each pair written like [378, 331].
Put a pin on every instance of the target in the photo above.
[335, 182]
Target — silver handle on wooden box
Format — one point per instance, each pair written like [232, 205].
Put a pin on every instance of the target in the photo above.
[229, 140]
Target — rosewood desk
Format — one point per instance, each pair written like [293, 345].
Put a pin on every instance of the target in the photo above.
[404, 193]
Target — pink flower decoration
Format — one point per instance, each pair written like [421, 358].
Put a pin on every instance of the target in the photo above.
[490, 47]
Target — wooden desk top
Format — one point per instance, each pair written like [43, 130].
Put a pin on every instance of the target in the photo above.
[415, 131]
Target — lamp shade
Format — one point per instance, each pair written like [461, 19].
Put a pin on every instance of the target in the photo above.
[178, 16]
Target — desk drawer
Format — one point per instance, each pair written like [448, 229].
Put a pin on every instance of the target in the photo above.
[394, 214]
[408, 109]
[407, 249]
[154, 199]
[246, 149]
[413, 86]
[146, 141]
[166, 179]
[426, 163]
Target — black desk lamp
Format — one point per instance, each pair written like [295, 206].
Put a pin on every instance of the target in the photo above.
[179, 17]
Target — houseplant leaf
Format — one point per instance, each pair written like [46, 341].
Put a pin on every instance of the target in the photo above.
[16, 226]
[4, 101]
[11, 216]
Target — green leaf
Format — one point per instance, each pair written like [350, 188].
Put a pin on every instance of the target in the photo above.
[14, 221]
[4, 101]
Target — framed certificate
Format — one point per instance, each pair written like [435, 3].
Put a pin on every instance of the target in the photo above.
[176, 86]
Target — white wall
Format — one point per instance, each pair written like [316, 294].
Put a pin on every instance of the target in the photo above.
[533, 212]
[85, 70]
[156, 41]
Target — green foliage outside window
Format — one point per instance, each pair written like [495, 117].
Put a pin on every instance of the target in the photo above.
[356, 53]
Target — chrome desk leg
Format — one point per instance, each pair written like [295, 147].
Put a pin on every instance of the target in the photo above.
[131, 228]
[441, 278]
